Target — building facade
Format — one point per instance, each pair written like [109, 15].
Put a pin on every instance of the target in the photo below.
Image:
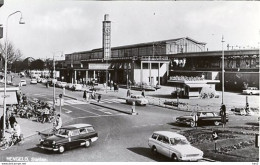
[139, 63]
[155, 62]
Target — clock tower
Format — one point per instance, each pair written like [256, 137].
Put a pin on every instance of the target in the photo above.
[106, 38]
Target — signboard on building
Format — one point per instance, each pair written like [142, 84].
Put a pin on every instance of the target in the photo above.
[97, 66]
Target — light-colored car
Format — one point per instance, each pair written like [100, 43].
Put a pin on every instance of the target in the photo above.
[33, 81]
[138, 99]
[57, 84]
[62, 84]
[77, 87]
[69, 86]
[251, 91]
[23, 82]
[174, 146]
[44, 80]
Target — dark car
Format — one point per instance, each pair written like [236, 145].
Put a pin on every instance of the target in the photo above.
[201, 117]
[69, 137]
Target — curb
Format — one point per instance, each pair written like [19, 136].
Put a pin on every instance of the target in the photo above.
[71, 97]
[115, 109]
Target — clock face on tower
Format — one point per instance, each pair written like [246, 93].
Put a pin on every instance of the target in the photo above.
[107, 31]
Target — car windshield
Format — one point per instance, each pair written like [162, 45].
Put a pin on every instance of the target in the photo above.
[179, 141]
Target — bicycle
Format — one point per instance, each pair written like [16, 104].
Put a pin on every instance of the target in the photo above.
[5, 143]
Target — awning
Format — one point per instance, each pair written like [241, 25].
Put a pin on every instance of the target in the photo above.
[197, 85]
[11, 98]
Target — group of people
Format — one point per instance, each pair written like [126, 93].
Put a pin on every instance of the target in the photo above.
[87, 95]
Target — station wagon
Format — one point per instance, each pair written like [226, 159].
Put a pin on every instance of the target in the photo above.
[69, 137]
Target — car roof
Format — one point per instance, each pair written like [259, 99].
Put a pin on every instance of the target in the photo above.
[76, 126]
[169, 134]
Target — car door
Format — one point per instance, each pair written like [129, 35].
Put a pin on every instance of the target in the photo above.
[165, 146]
[159, 145]
[74, 138]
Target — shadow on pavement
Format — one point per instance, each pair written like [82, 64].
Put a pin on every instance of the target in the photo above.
[39, 150]
[161, 96]
[146, 152]
[253, 124]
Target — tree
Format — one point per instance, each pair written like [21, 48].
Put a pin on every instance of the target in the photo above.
[37, 65]
[13, 54]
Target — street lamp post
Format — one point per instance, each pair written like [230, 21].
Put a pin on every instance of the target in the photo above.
[223, 82]
[6, 59]
[54, 77]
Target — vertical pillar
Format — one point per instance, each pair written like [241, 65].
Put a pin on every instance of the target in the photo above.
[150, 75]
[75, 77]
[86, 76]
[94, 74]
[159, 83]
[167, 69]
[141, 72]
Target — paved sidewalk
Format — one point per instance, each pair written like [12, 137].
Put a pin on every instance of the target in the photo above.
[162, 95]
[31, 127]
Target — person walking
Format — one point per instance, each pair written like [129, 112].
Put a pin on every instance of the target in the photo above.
[128, 93]
[99, 97]
[223, 114]
[58, 123]
[143, 93]
[12, 120]
[85, 95]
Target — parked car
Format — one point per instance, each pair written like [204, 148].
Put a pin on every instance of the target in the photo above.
[243, 112]
[57, 83]
[62, 84]
[251, 91]
[39, 79]
[138, 99]
[69, 86]
[23, 82]
[44, 81]
[33, 81]
[77, 87]
[202, 118]
[174, 146]
[69, 137]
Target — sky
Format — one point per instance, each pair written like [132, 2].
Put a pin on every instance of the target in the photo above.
[55, 27]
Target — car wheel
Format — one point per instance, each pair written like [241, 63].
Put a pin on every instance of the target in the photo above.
[251, 93]
[175, 158]
[61, 149]
[192, 123]
[87, 143]
[154, 150]
[216, 123]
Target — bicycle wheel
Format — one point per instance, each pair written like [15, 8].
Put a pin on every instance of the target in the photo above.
[4, 145]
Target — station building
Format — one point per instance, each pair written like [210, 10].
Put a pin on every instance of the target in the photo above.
[160, 62]
[145, 62]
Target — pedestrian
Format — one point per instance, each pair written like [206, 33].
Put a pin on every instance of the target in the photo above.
[111, 84]
[115, 86]
[93, 95]
[58, 123]
[99, 97]
[128, 93]
[143, 93]
[247, 108]
[17, 130]
[85, 95]
[12, 120]
[223, 114]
